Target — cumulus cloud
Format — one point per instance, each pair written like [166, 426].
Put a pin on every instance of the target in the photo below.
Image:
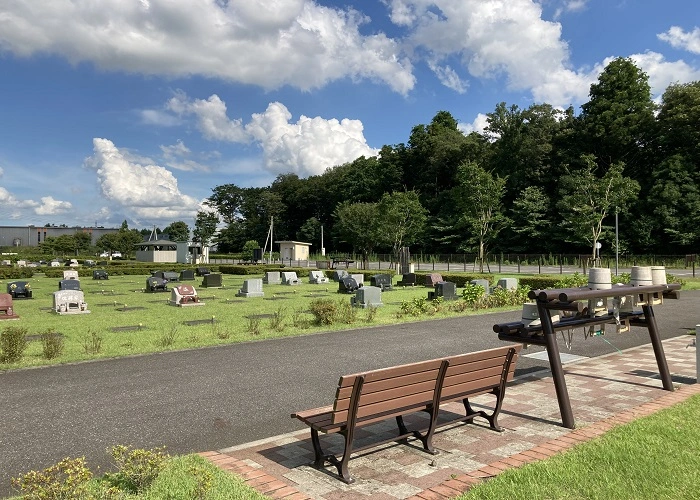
[478, 125]
[661, 72]
[49, 206]
[177, 156]
[307, 147]
[270, 43]
[496, 38]
[148, 191]
[570, 6]
[681, 39]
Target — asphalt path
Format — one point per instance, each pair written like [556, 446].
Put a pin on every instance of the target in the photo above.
[213, 398]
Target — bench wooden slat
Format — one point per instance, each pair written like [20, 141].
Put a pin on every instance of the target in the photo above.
[389, 383]
[393, 372]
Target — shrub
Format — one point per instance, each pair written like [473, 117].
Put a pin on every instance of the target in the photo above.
[92, 342]
[254, 325]
[137, 468]
[371, 313]
[51, 344]
[541, 282]
[277, 319]
[13, 342]
[67, 479]
[414, 307]
[472, 293]
[325, 311]
[346, 312]
[572, 281]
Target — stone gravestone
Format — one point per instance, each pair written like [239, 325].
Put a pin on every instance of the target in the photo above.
[339, 274]
[212, 280]
[382, 281]
[445, 289]
[201, 271]
[7, 312]
[154, 284]
[408, 279]
[251, 288]
[184, 296]
[359, 278]
[171, 276]
[272, 278]
[71, 274]
[367, 296]
[485, 284]
[70, 284]
[433, 278]
[99, 274]
[317, 277]
[158, 274]
[69, 302]
[19, 290]
[508, 283]
[290, 278]
[187, 275]
[347, 285]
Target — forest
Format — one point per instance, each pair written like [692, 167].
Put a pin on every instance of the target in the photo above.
[537, 180]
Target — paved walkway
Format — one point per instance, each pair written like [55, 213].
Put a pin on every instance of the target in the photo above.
[605, 391]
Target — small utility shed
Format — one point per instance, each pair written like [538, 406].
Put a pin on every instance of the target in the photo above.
[157, 251]
[294, 250]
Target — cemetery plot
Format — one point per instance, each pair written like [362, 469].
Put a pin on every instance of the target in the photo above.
[367, 296]
[201, 271]
[19, 290]
[7, 311]
[154, 284]
[318, 277]
[272, 278]
[290, 278]
[195, 322]
[212, 280]
[127, 328]
[99, 274]
[69, 302]
[69, 284]
[251, 288]
[184, 296]
[126, 308]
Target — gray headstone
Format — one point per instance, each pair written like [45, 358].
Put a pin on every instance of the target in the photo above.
[367, 296]
[69, 302]
[508, 283]
[290, 278]
[317, 277]
[251, 288]
[482, 283]
[339, 274]
[383, 281]
[445, 289]
[71, 274]
[359, 278]
[272, 278]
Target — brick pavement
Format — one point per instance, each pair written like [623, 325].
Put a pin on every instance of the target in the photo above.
[605, 391]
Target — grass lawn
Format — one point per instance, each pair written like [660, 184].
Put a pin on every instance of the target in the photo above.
[124, 320]
[655, 457]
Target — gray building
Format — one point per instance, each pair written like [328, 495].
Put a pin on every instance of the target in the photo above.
[32, 236]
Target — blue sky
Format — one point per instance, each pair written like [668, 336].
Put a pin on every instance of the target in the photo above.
[134, 110]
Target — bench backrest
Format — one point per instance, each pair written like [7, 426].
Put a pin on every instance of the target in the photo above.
[477, 372]
[388, 391]
[393, 391]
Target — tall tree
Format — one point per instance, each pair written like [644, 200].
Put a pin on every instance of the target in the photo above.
[618, 120]
[204, 227]
[226, 200]
[403, 219]
[587, 199]
[178, 231]
[532, 225]
[358, 224]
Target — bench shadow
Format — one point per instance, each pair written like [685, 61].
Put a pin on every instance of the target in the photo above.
[642, 373]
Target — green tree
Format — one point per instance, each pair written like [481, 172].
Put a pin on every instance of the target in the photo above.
[178, 231]
[83, 241]
[403, 219]
[358, 224]
[310, 230]
[587, 199]
[226, 200]
[247, 253]
[204, 227]
[532, 225]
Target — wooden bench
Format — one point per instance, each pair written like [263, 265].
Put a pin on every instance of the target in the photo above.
[374, 396]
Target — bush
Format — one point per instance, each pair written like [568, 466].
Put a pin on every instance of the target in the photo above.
[572, 281]
[13, 342]
[68, 478]
[137, 468]
[472, 293]
[541, 282]
[325, 311]
[51, 344]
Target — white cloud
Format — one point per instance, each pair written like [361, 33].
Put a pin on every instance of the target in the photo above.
[478, 125]
[496, 38]
[570, 6]
[146, 191]
[177, 156]
[270, 43]
[49, 206]
[449, 78]
[159, 118]
[662, 73]
[306, 147]
[679, 39]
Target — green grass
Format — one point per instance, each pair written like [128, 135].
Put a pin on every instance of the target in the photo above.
[655, 457]
[160, 327]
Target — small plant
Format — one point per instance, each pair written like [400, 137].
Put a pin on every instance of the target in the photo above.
[137, 468]
[299, 319]
[325, 311]
[347, 312]
[415, 307]
[254, 325]
[572, 281]
[13, 342]
[67, 479]
[371, 313]
[277, 319]
[204, 478]
[436, 305]
[51, 344]
[92, 342]
[168, 337]
[219, 333]
[472, 293]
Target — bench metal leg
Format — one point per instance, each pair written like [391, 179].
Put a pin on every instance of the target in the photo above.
[342, 464]
[492, 419]
[318, 452]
